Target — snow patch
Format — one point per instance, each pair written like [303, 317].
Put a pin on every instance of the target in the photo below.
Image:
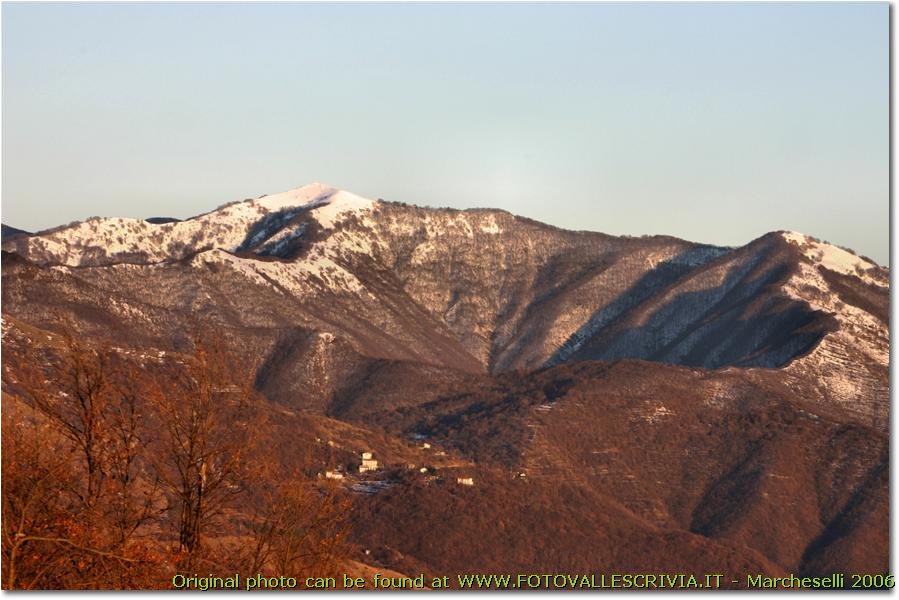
[491, 227]
[306, 196]
[866, 331]
[831, 257]
[339, 206]
[334, 275]
[245, 267]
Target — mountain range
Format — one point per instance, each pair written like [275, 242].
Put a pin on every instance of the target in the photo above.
[637, 404]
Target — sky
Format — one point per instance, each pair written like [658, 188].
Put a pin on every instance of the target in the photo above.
[714, 122]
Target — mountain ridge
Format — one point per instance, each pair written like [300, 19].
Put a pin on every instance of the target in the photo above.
[485, 290]
[655, 403]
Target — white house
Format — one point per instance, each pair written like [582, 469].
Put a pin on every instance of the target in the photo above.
[368, 463]
[464, 480]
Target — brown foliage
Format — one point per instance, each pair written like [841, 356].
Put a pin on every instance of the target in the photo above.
[70, 514]
[105, 461]
[205, 413]
[52, 539]
[300, 527]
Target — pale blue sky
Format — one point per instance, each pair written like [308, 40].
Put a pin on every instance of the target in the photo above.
[713, 122]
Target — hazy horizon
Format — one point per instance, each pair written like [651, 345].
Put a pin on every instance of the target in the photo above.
[711, 122]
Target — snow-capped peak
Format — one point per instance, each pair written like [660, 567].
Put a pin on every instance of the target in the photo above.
[313, 193]
[328, 204]
[231, 227]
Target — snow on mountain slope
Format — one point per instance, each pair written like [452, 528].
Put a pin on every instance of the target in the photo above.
[724, 311]
[232, 227]
[338, 206]
[851, 363]
[294, 278]
[836, 259]
[484, 289]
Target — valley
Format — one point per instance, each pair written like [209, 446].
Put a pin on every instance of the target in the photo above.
[619, 404]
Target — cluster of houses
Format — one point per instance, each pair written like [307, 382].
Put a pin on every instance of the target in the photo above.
[370, 464]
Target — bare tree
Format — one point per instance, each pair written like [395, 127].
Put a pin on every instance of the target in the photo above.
[93, 444]
[134, 493]
[301, 527]
[204, 417]
[74, 391]
[46, 540]
[83, 403]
